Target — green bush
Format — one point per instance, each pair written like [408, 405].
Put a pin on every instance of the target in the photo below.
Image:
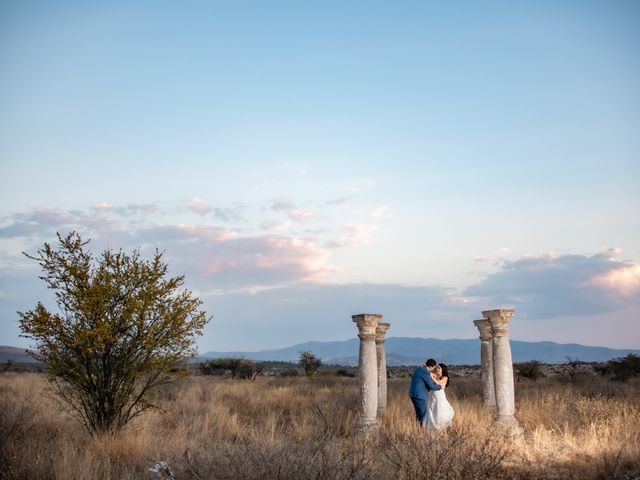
[531, 370]
[621, 369]
[309, 363]
[343, 372]
[236, 367]
[122, 329]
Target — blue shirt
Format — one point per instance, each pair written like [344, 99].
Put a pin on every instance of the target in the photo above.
[421, 383]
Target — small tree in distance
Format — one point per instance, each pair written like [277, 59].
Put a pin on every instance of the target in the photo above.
[237, 367]
[122, 329]
[621, 369]
[309, 363]
[572, 368]
[531, 370]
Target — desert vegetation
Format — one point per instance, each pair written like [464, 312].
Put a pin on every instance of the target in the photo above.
[300, 427]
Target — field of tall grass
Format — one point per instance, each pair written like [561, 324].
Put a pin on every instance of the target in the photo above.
[300, 428]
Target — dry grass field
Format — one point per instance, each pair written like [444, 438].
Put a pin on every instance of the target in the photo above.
[299, 428]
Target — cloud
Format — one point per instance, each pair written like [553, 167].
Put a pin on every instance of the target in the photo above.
[300, 215]
[356, 234]
[102, 207]
[554, 285]
[286, 206]
[126, 211]
[229, 214]
[43, 221]
[198, 205]
[278, 283]
[214, 257]
[625, 280]
[218, 260]
[276, 278]
[380, 212]
[281, 204]
[496, 256]
[274, 226]
[339, 202]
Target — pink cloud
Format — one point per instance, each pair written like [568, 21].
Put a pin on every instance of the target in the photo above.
[212, 257]
[286, 206]
[554, 285]
[124, 211]
[59, 218]
[624, 280]
[273, 226]
[198, 205]
[102, 207]
[243, 262]
[356, 234]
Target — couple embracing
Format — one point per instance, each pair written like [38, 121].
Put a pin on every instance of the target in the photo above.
[428, 384]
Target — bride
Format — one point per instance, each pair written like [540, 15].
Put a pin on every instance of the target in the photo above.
[440, 410]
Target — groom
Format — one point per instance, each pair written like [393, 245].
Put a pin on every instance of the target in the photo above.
[421, 383]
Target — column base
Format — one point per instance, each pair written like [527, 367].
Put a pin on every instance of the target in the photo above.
[491, 405]
[509, 425]
[367, 427]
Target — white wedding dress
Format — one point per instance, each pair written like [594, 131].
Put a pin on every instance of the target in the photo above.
[440, 410]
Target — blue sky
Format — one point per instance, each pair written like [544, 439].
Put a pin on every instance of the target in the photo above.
[302, 163]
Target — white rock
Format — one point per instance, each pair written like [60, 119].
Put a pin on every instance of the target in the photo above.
[161, 471]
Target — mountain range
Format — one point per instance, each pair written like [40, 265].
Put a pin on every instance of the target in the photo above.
[412, 351]
[15, 354]
[403, 351]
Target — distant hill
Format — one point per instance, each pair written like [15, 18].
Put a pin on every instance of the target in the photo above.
[15, 354]
[411, 351]
[403, 351]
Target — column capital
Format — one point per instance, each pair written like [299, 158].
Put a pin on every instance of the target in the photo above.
[499, 320]
[381, 331]
[485, 329]
[367, 324]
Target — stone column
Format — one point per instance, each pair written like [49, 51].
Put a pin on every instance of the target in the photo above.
[381, 330]
[503, 368]
[486, 362]
[367, 325]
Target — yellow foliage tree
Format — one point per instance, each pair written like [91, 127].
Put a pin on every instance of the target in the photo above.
[122, 329]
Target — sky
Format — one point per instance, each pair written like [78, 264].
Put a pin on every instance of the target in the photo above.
[302, 162]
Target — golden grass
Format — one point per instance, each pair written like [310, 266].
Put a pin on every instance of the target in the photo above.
[300, 428]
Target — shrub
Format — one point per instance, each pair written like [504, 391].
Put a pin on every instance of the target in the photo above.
[122, 329]
[572, 368]
[309, 363]
[343, 372]
[621, 369]
[236, 367]
[531, 370]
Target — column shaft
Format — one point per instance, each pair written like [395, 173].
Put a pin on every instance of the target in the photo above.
[381, 330]
[503, 376]
[368, 380]
[367, 324]
[503, 368]
[488, 387]
[486, 362]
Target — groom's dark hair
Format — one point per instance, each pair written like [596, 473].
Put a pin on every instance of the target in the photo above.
[431, 363]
